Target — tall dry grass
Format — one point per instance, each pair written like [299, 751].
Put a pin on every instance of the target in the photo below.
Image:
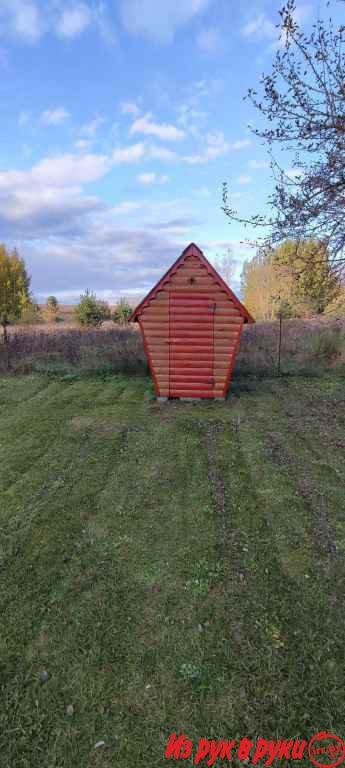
[63, 348]
[309, 345]
[306, 345]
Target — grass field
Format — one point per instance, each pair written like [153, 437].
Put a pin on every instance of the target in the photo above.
[172, 567]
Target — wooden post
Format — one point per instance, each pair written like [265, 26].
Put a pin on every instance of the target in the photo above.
[279, 343]
[7, 345]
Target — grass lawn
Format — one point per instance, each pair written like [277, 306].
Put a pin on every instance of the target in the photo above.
[172, 567]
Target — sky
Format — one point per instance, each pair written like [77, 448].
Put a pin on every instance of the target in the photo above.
[120, 120]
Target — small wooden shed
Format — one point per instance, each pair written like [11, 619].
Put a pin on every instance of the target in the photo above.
[191, 324]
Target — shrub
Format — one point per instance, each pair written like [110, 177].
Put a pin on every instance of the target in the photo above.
[51, 310]
[328, 345]
[122, 312]
[91, 311]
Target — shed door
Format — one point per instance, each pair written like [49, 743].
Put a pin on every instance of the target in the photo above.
[191, 345]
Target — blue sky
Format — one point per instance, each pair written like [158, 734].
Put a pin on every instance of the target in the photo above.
[120, 119]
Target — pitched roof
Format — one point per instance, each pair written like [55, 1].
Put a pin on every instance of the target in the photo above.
[192, 250]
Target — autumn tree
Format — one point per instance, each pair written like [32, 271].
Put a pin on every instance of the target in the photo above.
[313, 283]
[294, 279]
[14, 288]
[259, 285]
[302, 103]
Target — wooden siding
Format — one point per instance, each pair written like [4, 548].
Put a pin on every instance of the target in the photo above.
[205, 350]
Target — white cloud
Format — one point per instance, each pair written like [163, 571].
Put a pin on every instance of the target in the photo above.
[58, 171]
[241, 144]
[216, 146]
[260, 28]
[90, 129]
[23, 203]
[129, 154]
[54, 116]
[22, 19]
[152, 178]
[83, 145]
[257, 164]
[73, 20]
[163, 131]
[210, 41]
[126, 207]
[129, 108]
[161, 153]
[243, 179]
[159, 20]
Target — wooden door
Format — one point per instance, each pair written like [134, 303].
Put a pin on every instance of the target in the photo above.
[191, 345]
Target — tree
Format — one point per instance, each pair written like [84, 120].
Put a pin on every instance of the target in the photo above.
[51, 309]
[336, 308]
[313, 282]
[15, 295]
[259, 285]
[122, 312]
[225, 264]
[91, 311]
[303, 105]
[294, 280]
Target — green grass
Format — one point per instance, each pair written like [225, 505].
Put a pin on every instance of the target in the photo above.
[173, 567]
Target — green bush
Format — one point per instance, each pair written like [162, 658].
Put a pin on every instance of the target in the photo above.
[91, 311]
[122, 312]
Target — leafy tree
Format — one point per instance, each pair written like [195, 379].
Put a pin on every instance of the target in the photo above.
[293, 280]
[14, 288]
[259, 284]
[51, 309]
[314, 282]
[91, 311]
[336, 308]
[302, 102]
[122, 312]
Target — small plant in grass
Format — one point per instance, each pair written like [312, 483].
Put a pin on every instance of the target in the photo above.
[190, 671]
[91, 311]
[122, 312]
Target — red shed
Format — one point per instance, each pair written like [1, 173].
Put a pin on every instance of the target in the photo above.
[191, 324]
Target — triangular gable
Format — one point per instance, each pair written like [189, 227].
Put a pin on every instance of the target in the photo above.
[192, 250]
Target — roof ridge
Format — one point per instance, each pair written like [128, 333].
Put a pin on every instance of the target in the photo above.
[189, 250]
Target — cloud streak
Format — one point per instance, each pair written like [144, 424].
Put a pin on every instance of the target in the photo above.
[165, 131]
[54, 116]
